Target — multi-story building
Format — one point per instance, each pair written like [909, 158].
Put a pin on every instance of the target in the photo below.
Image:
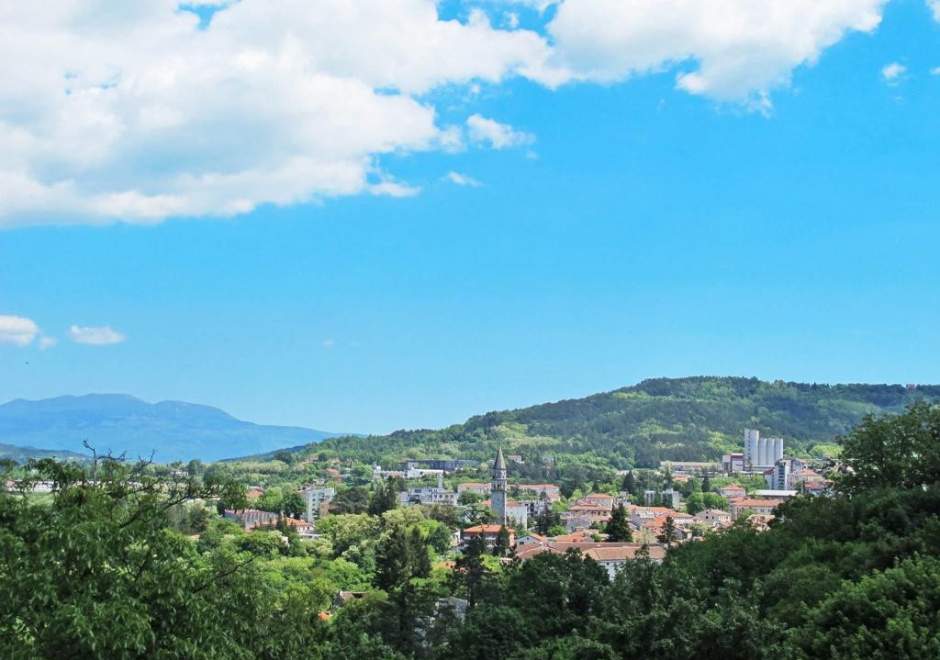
[316, 500]
[430, 494]
[732, 463]
[732, 492]
[476, 487]
[489, 534]
[444, 464]
[759, 506]
[551, 492]
[669, 497]
[714, 517]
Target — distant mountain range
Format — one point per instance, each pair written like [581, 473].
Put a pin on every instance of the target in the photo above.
[170, 430]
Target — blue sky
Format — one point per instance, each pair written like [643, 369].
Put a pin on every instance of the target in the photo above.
[626, 229]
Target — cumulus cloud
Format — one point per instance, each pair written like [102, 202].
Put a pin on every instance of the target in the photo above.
[495, 134]
[138, 113]
[95, 335]
[17, 330]
[934, 6]
[462, 180]
[142, 111]
[737, 50]
[892, 72]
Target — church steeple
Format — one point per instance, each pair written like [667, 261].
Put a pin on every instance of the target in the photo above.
[498, 489]
[500, 462]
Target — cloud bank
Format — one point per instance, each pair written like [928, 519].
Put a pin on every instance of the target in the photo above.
[140, 111]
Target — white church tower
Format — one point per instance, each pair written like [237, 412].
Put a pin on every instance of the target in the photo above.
[498, 490]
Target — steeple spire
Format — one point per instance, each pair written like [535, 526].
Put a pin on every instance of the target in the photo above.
[500, 462]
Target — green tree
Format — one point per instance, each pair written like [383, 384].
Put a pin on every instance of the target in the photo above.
[94, 572]
[695, 503]
[293, 504]
[469, 497]
[889, 614]
[501, 545]
[629, 483]
[384, 498]
[470, 571]
[618, 528]
[893, 451]
[668, 535]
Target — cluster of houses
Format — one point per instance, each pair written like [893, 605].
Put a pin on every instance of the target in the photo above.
[654, 525]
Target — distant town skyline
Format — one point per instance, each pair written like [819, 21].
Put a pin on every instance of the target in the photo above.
[480, 210]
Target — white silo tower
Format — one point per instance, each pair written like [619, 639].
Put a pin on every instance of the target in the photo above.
[751, 443]
[778, 449]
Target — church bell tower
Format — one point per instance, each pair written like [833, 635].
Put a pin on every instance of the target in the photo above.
[498, 490]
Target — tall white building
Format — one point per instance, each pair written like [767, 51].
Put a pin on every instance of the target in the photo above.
[314, 499]
[761, 452]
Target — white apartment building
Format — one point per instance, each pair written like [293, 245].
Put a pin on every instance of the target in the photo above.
[315, 499]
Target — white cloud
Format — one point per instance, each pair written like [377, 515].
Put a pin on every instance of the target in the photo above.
[391, 188]
[934, 6]
[137, 114]
[495, 134]
[935, 71]
[46, 343]
[462, 180]
[737, 50]
[17, 330]
[95, 335]
[892, 72]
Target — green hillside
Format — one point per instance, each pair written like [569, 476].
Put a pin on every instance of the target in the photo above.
[660, 419]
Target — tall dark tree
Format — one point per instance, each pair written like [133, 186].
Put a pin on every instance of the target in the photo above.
[629, 483]
[501, 547]
[470, 571]
[668, 535]
[384, 498]
[419, 556]
[706, 482]
[393, 562]
[618, 528]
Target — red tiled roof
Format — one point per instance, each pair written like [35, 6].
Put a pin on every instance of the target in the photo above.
[751, 503]
[485, 529]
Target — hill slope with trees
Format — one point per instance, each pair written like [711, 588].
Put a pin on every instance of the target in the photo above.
[695, 418]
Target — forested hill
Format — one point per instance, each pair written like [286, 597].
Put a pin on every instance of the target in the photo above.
[660, 419]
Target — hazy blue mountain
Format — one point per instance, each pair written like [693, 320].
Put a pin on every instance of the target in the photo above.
[171, 430]
[23, 454]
